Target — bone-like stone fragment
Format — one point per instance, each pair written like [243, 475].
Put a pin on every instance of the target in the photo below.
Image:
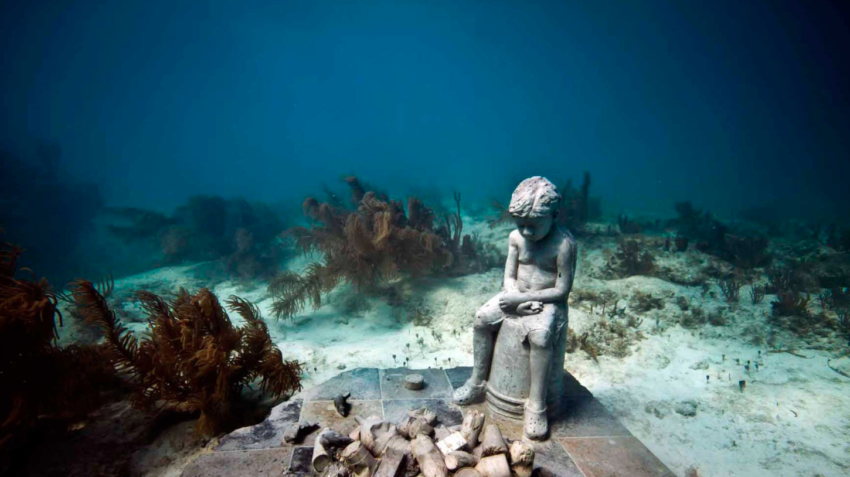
[451, 443]
[467, 472]
[494, 466]
[441, 432]
[459, 459]
[371, 429]
[473, 422]
[391, 463]
[323, 448]
[522, 458]
[429, 415]
[390, 439]
[358, 460]
[411, 425]
[431, 462]
[492, 442]
[420, 426]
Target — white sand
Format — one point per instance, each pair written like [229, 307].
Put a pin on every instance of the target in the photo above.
[733, 433]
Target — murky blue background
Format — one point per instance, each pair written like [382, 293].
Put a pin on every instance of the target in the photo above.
[730, 104]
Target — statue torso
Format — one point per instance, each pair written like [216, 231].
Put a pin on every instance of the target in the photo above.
[538, 261]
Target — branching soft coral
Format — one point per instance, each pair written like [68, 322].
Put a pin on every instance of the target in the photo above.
[27, 330]
[38, 379]
[371, 244]
[364, 246]
[193, 358]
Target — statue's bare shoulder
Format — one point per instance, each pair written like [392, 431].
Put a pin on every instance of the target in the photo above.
[566, 241]
[515, 238]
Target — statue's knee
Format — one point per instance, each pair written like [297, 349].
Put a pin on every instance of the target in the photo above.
[540, 338]
[483, 321]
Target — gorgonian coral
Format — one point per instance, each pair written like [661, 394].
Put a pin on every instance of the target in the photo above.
[193, 358]
[372, 243]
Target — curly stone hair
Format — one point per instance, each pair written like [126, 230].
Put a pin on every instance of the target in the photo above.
[534, 197]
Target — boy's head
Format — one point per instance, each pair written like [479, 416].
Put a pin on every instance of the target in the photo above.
[534, 205]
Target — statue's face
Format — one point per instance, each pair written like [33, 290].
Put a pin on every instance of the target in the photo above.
[534, 228]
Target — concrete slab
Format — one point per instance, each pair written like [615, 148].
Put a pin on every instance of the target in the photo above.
[614, 457]
[586, 440]
[436, 384]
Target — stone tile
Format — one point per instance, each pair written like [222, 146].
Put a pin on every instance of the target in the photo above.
[614, 457]
[458, 376]
[265, 435]
[550, 455]
[254, 463]
[325, 414]
[362, 383]
[585, 417]
[300, 465]
[447, 414]
[436, 384]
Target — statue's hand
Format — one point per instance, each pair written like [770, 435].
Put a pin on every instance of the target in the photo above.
[510, 300]
[529, 308]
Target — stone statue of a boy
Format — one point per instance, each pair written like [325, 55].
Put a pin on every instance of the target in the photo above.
[538, 278]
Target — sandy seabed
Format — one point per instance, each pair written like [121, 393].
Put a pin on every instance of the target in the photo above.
[676, 389]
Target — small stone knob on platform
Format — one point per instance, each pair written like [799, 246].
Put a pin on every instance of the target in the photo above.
[414, 382]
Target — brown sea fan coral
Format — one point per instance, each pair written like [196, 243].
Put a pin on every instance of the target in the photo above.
[27, 331]
[193, 358]
[372, 244]
[38, 379]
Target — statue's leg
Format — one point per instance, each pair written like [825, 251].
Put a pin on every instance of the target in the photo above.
[541, 360]
[487, 321]
[482, 347]
[540, 338]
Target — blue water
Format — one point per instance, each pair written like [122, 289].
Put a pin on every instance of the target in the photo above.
[729, 104]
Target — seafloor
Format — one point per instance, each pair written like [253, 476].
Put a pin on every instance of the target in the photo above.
[675, 383]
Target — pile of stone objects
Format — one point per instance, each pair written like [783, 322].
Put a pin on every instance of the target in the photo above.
[416, 446]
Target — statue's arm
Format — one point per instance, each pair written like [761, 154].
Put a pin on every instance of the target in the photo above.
[511, 265]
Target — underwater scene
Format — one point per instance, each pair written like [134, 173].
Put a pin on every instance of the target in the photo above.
[425, 238]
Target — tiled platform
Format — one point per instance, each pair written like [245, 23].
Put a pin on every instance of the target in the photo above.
[586, 441]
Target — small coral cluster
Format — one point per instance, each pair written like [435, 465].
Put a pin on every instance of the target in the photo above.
[374, 241]
[631, 258]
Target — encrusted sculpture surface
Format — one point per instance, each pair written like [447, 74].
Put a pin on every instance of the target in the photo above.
[520, 334]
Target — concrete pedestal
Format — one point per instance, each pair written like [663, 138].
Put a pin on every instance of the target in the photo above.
[509, 380]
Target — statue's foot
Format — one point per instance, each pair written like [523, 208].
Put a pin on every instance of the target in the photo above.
[468, 393]
[536, 424]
